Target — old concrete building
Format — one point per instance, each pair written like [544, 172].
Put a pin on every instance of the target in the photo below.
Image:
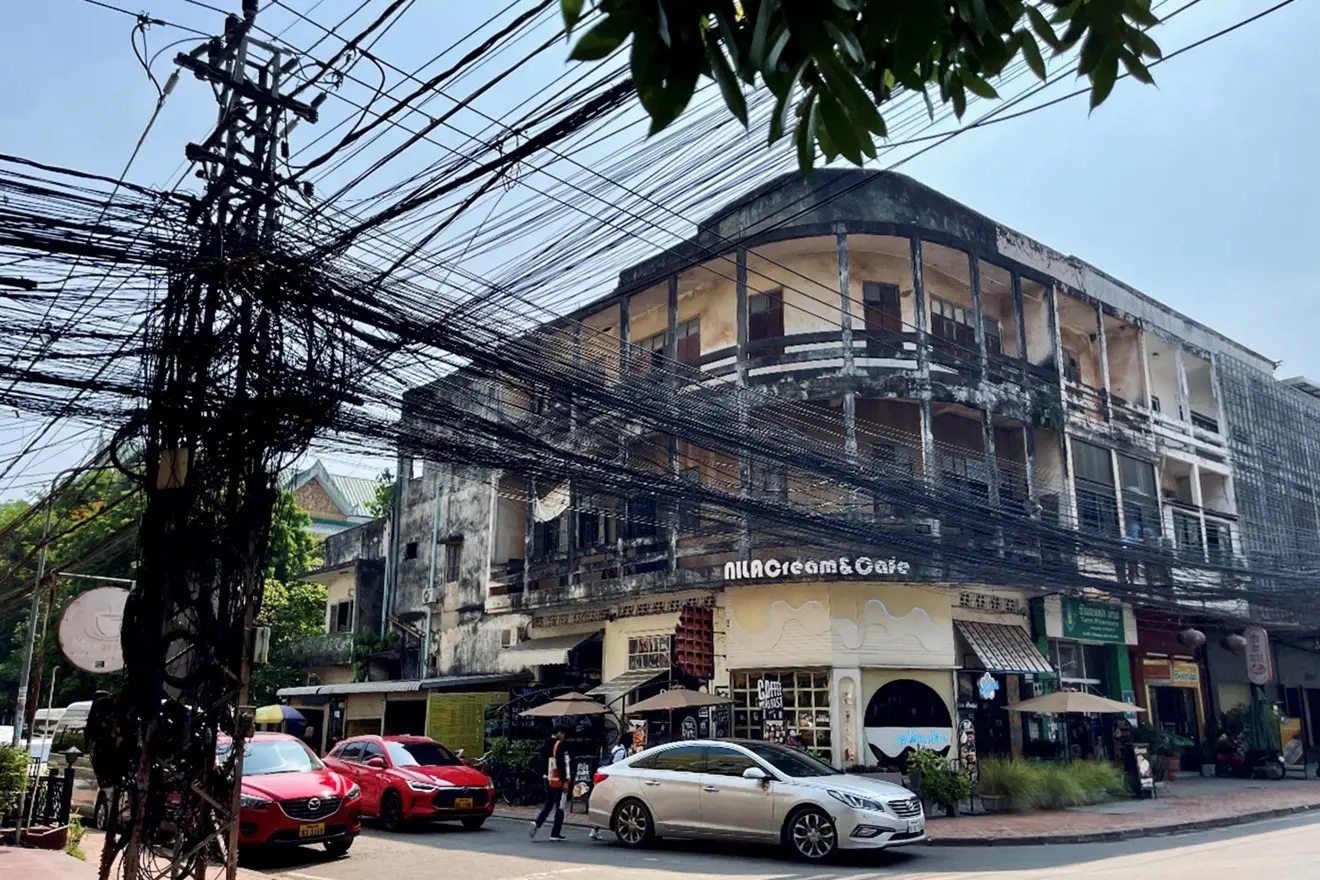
[909, 337]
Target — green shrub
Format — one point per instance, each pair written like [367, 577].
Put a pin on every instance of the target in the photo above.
[73, 845]
[1059, 787]
[926, 762]
[1098, 777]
[1019, 781]
[13, 776]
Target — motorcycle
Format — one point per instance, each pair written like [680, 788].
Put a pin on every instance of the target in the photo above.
[1236, 760]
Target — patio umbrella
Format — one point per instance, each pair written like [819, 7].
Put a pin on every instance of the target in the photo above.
[569, 704]
[678, 698]
[1074, 702]
[278, 715]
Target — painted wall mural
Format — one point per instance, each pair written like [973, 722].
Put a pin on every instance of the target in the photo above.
[839, 625]
[906, 714]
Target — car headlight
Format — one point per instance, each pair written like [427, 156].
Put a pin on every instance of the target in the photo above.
[353, 793]
[252, 802]
[421, 786]
[856, 801]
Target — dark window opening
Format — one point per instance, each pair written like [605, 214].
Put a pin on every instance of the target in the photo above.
[881, 308]
[765, 319]
[689, 341]
[1187, 532]
[453, 556]
[588, 527]
[642, 516]
[1141, 512]
[1072, 371]
[545, 539]
[341, 617]
[957, 326]
[1219, 541]
[410, 550]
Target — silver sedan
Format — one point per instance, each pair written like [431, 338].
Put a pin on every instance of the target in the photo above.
[751, 791]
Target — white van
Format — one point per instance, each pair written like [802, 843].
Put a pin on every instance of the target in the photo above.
[71, 731]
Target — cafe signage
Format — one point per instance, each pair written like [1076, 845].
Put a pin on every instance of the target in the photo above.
[843, 566]
[1093, 621]
[1260, 667]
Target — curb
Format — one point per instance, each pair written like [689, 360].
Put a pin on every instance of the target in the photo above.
[1125, 833]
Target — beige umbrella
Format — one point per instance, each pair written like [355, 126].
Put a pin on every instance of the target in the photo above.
[678, 698]
[566, 705]
[1074, 702]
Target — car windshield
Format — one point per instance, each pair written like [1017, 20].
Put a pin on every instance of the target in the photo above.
[263, 757]
[788, 761]
[421, 754]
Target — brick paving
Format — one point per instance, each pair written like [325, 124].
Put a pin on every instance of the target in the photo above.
[1182, 806]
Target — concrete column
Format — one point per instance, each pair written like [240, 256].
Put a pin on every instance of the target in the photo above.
[1067, 498]
[744, 414]
[671, 355]
[974, 277]
[1029, 444]
[849, 361]
[625, 450]
[1118, 490]
[1145, 367]
[1199, 500]
[1184, 397]
[529, 534]
[1019, 319]
[923, 363]
[1104, 360]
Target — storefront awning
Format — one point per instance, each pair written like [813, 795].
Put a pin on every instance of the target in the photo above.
[1003, 648]
[617, 688]
[549, 651]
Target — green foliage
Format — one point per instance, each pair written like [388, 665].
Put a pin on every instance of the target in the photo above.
[832, 66]
[73, 845]
[290, 550]
[13, 775]
[1161, 742]
[926, 762]
[86, 517]
[514, 768]
[366, 644]
[1047, 785]
[1234, 721]
[941, 782]
[383, 500]
[293, 611]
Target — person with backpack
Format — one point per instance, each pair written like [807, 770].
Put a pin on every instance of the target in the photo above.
[554, 755]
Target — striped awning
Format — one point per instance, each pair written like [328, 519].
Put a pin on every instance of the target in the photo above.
[1003, 647]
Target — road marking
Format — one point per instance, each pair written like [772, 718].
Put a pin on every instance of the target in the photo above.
[561, 872]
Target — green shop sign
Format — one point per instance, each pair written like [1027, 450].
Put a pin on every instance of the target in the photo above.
[1093, 621]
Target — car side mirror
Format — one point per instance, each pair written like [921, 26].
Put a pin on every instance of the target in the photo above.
[755, 773]
[378, 763]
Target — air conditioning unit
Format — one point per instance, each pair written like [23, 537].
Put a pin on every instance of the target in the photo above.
[430, 596]
[512, 636]
[260, 645]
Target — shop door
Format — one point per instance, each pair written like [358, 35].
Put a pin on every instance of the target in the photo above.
[1313, 715]
[1175, 711]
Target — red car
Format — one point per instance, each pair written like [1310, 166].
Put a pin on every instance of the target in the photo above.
[412, 777]
[291, 798]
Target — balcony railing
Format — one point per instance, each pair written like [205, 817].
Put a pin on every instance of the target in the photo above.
[326, 649]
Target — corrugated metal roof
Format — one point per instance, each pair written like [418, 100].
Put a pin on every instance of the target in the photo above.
[1003, 647]
[359, 492]
[352, 687]
[617, 688]
[449, 682]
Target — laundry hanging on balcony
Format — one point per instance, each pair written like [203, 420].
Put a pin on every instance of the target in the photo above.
[552, 504]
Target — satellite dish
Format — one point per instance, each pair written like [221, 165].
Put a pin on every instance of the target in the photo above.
[90, 629]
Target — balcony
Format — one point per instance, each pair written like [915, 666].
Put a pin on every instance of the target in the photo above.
[326, 649]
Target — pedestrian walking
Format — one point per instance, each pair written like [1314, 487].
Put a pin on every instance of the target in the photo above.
[557, 781]
[615, 755]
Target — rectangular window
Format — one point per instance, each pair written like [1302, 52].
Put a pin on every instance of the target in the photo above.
[545, 539]
[1141, 511]
[881, 307]
[896, 463]
[806, 712]
[652, 353]
[689, 341]
[650, 652]
[410, 550]
[957, 325]
[453, 556]
[588, 522]
[643, 516]
[1092, 463]
[1219, 541]
[1187, 532]
[769, 481]
[341, 617]
[765, 319]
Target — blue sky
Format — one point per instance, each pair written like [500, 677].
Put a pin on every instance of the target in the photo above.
[1200, 192]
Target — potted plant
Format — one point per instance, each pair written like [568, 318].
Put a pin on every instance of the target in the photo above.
[923, 768]
[1209, 758]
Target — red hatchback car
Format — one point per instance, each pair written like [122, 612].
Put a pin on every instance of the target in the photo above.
[291, 798]
[412, 777]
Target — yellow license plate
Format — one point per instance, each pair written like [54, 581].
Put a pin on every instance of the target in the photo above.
[462, 803]
[315, 830]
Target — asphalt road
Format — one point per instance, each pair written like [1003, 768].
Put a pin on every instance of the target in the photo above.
[1287, 848]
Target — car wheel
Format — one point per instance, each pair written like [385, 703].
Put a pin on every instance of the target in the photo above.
[632, 824]
[810, 834]
[338, 848]
[101, 813]
[474, 823]
[391, 811]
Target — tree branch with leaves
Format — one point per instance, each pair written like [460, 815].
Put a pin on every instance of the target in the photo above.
[833, 65]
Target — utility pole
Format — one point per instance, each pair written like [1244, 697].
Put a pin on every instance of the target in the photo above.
[227, 405]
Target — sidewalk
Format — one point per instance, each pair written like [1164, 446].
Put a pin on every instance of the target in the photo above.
[1190, 804]
[41, 864]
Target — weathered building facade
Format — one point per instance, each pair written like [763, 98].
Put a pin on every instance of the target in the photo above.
[926, 367]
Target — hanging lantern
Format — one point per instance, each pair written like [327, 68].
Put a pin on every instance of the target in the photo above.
[1235, 643]
[1191, 637]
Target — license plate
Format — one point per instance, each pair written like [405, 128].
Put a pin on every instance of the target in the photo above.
[462, 803]
[914, 825]
[315, 830]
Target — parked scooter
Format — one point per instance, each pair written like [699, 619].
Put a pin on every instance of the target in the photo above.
[1235, 759]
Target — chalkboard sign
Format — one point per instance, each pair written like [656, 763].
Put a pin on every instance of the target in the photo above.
[584, 770]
